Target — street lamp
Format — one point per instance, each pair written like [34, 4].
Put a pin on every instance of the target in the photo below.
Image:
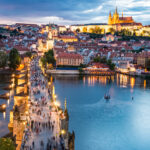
[57, 103]
[63, 132]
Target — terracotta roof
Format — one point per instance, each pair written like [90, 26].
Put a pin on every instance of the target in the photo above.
[69, 55]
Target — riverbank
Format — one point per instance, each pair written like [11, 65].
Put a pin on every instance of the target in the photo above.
[77, 72]
[142, 75]
[100, 73]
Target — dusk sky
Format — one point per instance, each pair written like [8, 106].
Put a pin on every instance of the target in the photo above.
[71, 11]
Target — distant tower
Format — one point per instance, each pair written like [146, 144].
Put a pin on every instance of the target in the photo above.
[116, 17]
[65, 126]
[65, 104]
[122, 13]
[116, 11]
[110, 19]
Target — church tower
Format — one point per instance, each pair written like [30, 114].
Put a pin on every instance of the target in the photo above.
[110, 19]
[116, 17]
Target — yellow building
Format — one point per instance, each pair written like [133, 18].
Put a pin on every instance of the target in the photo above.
[115, 19]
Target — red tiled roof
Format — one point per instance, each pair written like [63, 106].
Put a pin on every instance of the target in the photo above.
[69, 55]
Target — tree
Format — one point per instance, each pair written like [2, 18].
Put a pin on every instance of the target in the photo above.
[111, 30]
[103, 60]
[77, 30]
[97, 30]
[14, 59]
[43, 60]
[48, 58]
[97, 59]
[6, 144]
[110, 64]
[85, 29]
[91, 30]
[28, 54]
[3, 59]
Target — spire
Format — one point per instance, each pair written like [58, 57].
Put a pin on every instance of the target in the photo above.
[65, 104]
[116, 11]
[110, 14]
[53, 91]
[122, 13]
[66, 111]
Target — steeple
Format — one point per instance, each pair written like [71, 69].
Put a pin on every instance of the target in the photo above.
[66, 111]
[110, 14]
[122, 13]
[110, 18]
[65, 104]
[116, 10]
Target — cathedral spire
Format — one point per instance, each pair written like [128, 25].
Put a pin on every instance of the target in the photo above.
[116, 11]
[110, 14]
[65, 104]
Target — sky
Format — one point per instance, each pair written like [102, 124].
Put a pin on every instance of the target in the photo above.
[66, 12]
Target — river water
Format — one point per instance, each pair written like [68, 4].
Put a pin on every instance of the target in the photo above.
[120, 124]
[4, 117]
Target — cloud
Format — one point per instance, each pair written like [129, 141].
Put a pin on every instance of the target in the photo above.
[93, 10]
[71, 11]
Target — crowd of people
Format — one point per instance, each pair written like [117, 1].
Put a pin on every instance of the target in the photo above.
[42, 131]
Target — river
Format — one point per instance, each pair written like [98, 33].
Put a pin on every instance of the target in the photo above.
[120, 124]
[4, 117]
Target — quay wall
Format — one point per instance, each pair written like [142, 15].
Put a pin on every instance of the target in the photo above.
[76, 72]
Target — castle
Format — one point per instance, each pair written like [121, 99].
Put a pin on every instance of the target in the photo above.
[115, 19]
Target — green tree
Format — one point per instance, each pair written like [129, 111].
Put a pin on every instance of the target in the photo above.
[111, 30]
[28, 54]
[103, 60]
[3, 59]
[14, 59]
[77, 30]
[48, 58]
[6, 144]
[85, 29]
[43, 60]
[97, 59]
[110, 64]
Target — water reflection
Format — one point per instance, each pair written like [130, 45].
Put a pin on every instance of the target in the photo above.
[122, 124]
[8, 102]
[4, 115]
[7, 82]
[132, 82]
[120, 80]
[144, 84]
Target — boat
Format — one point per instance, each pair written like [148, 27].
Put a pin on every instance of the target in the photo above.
[107, 96]
[2, 107]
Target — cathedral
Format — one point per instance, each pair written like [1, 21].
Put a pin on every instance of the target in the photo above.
[115, 19]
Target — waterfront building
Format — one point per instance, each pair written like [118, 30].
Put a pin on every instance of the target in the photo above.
[68, 59]
[143, 59]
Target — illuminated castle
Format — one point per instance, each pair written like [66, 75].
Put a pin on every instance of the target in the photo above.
[115, 19]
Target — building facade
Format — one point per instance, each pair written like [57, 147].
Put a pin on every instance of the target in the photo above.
[115, 19]
[68, 59]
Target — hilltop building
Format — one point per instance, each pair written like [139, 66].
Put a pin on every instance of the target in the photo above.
[115, 19]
